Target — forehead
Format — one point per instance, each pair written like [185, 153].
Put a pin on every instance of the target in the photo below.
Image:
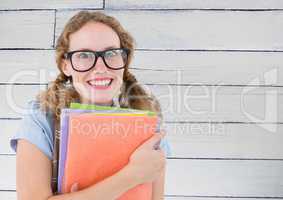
[94, 36]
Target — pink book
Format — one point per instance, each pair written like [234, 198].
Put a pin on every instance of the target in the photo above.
[100, 145]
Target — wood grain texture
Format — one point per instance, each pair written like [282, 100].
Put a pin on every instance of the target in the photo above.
[239, 141]
[12, 196]
[225, 178]
[200, 140]
[27, 29]
[219, 103]
[28, 66]
[8, 195]
[211, 68]
[14, 99]
[8, 129]
[183, 103]
[197, 177]
[50, 4]
[218, 30]
[215, 66]
[159, 67]
[194, 4]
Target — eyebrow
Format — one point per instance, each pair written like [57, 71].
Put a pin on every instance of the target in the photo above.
[106, 48]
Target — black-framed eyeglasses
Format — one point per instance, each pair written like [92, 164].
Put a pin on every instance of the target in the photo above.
[84, 60]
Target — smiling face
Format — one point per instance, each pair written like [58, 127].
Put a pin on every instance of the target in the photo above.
[92, 85]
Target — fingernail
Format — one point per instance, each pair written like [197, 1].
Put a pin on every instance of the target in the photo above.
[156, 145]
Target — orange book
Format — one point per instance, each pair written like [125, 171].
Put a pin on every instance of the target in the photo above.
[100, 145]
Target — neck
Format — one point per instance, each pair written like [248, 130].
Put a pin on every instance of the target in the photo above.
[111, 103]
[105, 104]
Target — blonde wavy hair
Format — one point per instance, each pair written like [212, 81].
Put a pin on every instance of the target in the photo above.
[59, 95]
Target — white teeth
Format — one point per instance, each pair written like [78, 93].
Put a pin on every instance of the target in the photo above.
[100, 83]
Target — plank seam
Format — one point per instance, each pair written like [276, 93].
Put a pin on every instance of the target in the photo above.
[215, 85]
[1, 83]
[10, 118]
[218, 122]
[147, 9]
[54, 31]
[169, 50]
[26, 9]
[49, 9]
[197, 9]
[244, 197]
[214, 50]
[1, 190]
[196, 196]
[196, 158]
[104, 4]
[25, 49]
[166, 84]
[225, 159]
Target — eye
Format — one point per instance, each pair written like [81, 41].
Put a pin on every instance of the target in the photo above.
[112, 53]
[84, 55]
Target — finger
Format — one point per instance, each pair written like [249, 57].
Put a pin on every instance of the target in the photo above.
[75, 187]
[160, 151]
[162, 131]
[156, 146]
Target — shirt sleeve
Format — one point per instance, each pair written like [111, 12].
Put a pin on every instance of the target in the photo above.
[36, 129]
[164, 144]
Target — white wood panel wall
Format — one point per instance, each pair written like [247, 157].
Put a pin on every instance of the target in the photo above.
[221, 62]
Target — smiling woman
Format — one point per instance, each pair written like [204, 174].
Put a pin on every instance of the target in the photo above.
[87, 50]
[93, 55]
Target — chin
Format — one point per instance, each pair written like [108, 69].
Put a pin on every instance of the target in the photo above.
[101, 101]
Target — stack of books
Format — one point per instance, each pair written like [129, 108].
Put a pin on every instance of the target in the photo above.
[97, 141]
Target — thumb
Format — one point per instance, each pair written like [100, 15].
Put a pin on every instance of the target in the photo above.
[75, 187]
[152, 142]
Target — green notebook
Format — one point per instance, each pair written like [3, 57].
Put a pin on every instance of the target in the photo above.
[109, 108]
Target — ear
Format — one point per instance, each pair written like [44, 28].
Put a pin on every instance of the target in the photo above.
[66, 68]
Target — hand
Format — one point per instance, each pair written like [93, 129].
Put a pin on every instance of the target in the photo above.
[146, 162]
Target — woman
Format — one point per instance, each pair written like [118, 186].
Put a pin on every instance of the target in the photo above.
[93, 54]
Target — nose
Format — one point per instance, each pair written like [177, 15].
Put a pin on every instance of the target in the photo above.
[100, 66]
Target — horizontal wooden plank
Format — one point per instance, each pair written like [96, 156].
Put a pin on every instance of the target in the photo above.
[159, 67]
[219, 68]
[219, 103]
[198, 177]
[8, 172]
[169, 30]
[50, 4]
[8, 129]
[14, 98]
[224, 178]
[145, 4]
[27, 29]
[213, 198]
[27, 66]
[240, 141]
[7, 195]
[13, 196]
[194, 4]
[183, 103]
